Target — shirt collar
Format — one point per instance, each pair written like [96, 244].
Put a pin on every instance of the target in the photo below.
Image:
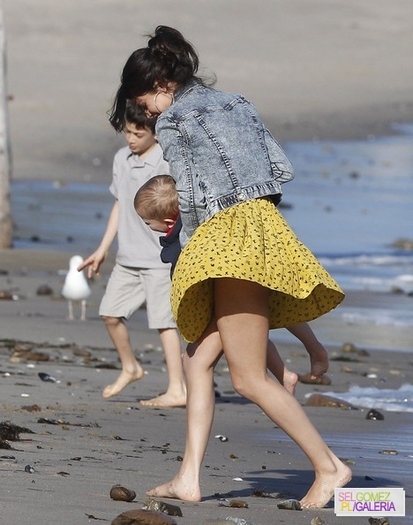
[152, 159]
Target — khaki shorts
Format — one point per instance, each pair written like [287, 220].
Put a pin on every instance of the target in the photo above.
[129, 288]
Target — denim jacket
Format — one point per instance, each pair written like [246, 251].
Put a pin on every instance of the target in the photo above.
[219, 153]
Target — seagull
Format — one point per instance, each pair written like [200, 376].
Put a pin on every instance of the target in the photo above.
[76, 287]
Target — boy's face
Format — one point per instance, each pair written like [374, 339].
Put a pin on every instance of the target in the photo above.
[157, 225]
[140, 140]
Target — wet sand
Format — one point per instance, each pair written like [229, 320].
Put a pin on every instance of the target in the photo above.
[338, 70]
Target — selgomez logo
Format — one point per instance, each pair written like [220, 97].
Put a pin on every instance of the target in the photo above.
[374, 502]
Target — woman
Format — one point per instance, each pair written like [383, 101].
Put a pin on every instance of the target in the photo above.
[242, 270]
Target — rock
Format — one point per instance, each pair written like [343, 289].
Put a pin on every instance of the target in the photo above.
[161, 506]
[375, 415]
[119, 493]
[44, 289]
[289, 504]
[238, 504]
[318, 521]
[348, 348]
[47, 378]
[403, 244]
[143, 517]
[379, 521]
[320, 400]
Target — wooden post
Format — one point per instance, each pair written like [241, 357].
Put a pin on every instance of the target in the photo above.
[6, 225]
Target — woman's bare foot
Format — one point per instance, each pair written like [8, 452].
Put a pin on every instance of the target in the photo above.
[124, 379]
[322, 490]
[166, 400]
[290, 381]
[318, 359]
[178, 489]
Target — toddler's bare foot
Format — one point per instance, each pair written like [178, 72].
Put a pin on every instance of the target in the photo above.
[290, 381]
[166, 400]
[318, 360]
[178, 489]
[322, 490]
[124, 379]
[309, 379]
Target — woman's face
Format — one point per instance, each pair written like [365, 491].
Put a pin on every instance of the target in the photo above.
[155, 102]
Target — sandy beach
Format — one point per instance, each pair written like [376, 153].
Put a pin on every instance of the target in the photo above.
[82, 445]
[337, 70]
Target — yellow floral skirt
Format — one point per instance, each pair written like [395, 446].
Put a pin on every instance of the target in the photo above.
[250, 241]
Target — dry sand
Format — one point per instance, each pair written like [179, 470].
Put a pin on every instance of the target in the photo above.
[322, 69]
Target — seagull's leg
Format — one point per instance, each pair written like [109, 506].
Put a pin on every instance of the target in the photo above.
[70, 305]
[83, 314]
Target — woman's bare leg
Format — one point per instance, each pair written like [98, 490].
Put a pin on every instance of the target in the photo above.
[241, 310]
[199, 363]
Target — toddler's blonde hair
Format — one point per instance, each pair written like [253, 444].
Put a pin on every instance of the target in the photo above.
[157, 199]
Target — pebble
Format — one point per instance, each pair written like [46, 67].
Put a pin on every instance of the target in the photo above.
[379, 521]
[289, 504]
[318, 521]
[44, 289]
[375, 415]
[119, 493]
[161, 506]
[46, 377]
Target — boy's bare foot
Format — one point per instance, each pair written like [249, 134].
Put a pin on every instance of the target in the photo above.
[178, 489]
[290, 381]
[322, 490]
[166, 400]
[124, 379]
[318, 359]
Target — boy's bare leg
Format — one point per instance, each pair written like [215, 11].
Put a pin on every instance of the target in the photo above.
[131, 369]
[276, 366]
[243, 327]
[318, 354]
[199, 362]
[175, 395]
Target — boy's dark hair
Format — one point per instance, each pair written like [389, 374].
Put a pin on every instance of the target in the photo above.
[136, 115]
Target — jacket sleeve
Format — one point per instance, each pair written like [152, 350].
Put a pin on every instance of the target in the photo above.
[281, 167]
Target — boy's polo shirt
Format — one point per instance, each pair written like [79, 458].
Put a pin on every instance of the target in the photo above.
[138, 245]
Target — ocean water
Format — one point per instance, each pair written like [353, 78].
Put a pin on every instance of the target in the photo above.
[351, 201]
[391, 400]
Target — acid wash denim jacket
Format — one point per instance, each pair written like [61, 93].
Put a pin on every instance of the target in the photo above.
[219, 153]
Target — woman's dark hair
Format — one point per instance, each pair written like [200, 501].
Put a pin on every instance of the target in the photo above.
[136, 115]
[168, 57]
